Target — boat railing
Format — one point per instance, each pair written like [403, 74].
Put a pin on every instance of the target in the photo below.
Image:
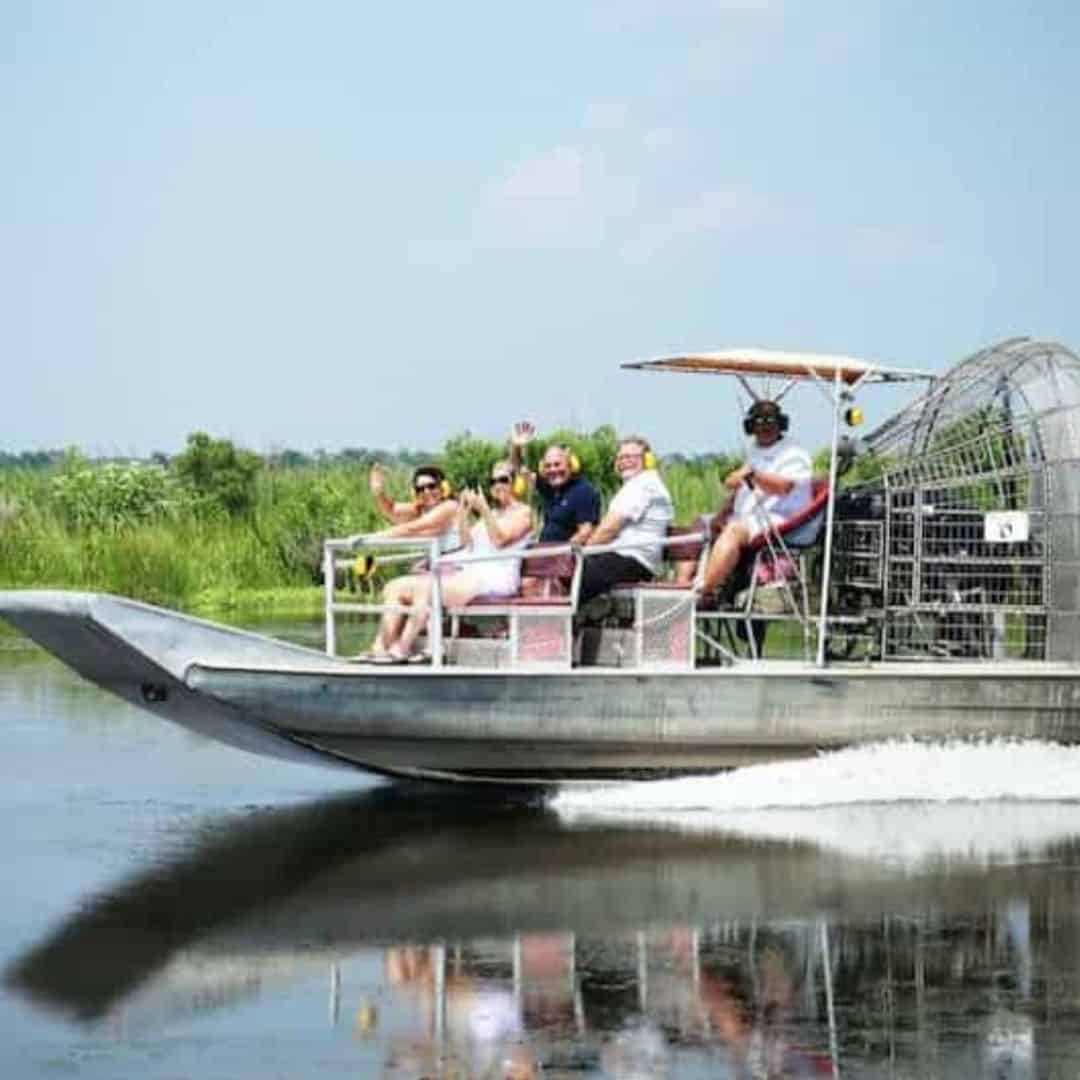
[395, 549]
[339, 553]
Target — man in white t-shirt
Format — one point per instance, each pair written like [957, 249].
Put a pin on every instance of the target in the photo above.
[637, 520]
[773, 485]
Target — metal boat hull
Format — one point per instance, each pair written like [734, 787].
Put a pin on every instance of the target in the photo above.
[273, 698]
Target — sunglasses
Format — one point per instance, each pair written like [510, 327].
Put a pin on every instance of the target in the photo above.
[420, 489]
[501, 479]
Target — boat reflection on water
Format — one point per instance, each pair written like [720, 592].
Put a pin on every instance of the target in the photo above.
[506, 942]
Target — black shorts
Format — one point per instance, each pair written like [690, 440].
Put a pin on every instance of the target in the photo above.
[601, 572]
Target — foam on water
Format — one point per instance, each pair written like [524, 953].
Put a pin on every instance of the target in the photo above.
[901, 800]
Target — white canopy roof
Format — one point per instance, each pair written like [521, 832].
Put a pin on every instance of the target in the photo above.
[770, 362]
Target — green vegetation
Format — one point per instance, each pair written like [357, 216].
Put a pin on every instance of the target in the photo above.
[213, 530]
[220, 529]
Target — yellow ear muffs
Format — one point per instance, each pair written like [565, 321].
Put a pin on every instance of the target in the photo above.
[574, 462]
[363, 567]
[520, 486]
[650, 460]
[445, 489]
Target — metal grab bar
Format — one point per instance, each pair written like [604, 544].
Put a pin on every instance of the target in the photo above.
[352, 544]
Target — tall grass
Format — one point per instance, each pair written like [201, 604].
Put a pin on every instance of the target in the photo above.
[182, 557]
[697, 488]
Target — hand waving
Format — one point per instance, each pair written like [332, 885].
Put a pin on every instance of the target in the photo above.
[522, 433]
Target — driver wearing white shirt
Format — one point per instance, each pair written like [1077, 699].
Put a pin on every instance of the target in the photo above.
[773, 485]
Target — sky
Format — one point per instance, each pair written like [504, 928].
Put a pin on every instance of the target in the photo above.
[340, 224]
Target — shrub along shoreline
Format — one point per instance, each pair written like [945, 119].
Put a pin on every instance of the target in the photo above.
[219, 530]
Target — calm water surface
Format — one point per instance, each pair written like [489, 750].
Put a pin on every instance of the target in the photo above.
[177, 909]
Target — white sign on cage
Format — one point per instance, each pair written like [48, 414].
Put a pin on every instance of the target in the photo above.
[1006, 526]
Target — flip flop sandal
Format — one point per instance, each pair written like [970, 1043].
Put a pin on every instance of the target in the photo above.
[419, 658]
[384, 659]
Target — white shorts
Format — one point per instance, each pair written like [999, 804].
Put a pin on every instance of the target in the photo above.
[758, 522]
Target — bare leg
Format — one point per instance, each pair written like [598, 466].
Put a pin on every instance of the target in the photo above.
[685, 569]
[725, 554]
[417, 620]
[400, 591]
[457, 591]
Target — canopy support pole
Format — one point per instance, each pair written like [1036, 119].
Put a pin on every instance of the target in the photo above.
[823, 621]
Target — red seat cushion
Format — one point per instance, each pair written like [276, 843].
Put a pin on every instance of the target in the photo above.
[519, 601]
[820, 491]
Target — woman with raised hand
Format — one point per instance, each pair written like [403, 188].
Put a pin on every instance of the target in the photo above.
[504, 524]
[433, 513]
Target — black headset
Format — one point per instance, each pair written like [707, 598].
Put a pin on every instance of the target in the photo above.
[765, 410]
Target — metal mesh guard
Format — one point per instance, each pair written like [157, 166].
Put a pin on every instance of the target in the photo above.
[544, 639]
[667, 628]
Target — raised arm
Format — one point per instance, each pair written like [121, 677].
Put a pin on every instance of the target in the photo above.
[432, 523]
[521, 434]
[511, 529]
[392, 511]
[462, 523]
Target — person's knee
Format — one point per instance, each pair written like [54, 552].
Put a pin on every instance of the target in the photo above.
[396, 589]
[736, 534]
[455, 596]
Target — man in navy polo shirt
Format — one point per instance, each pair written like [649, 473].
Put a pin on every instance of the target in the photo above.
[570, 503]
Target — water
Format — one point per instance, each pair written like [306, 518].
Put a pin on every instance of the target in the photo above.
[177, 909]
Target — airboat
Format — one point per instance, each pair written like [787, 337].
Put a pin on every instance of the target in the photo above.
[932, 590]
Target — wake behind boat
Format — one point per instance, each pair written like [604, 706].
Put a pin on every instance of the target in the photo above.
[945, 605]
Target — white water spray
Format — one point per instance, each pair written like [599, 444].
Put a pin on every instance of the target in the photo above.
[901, 801]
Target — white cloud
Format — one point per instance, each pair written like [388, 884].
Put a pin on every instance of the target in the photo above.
[545, 198]
[726, 212]
[555, 177]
